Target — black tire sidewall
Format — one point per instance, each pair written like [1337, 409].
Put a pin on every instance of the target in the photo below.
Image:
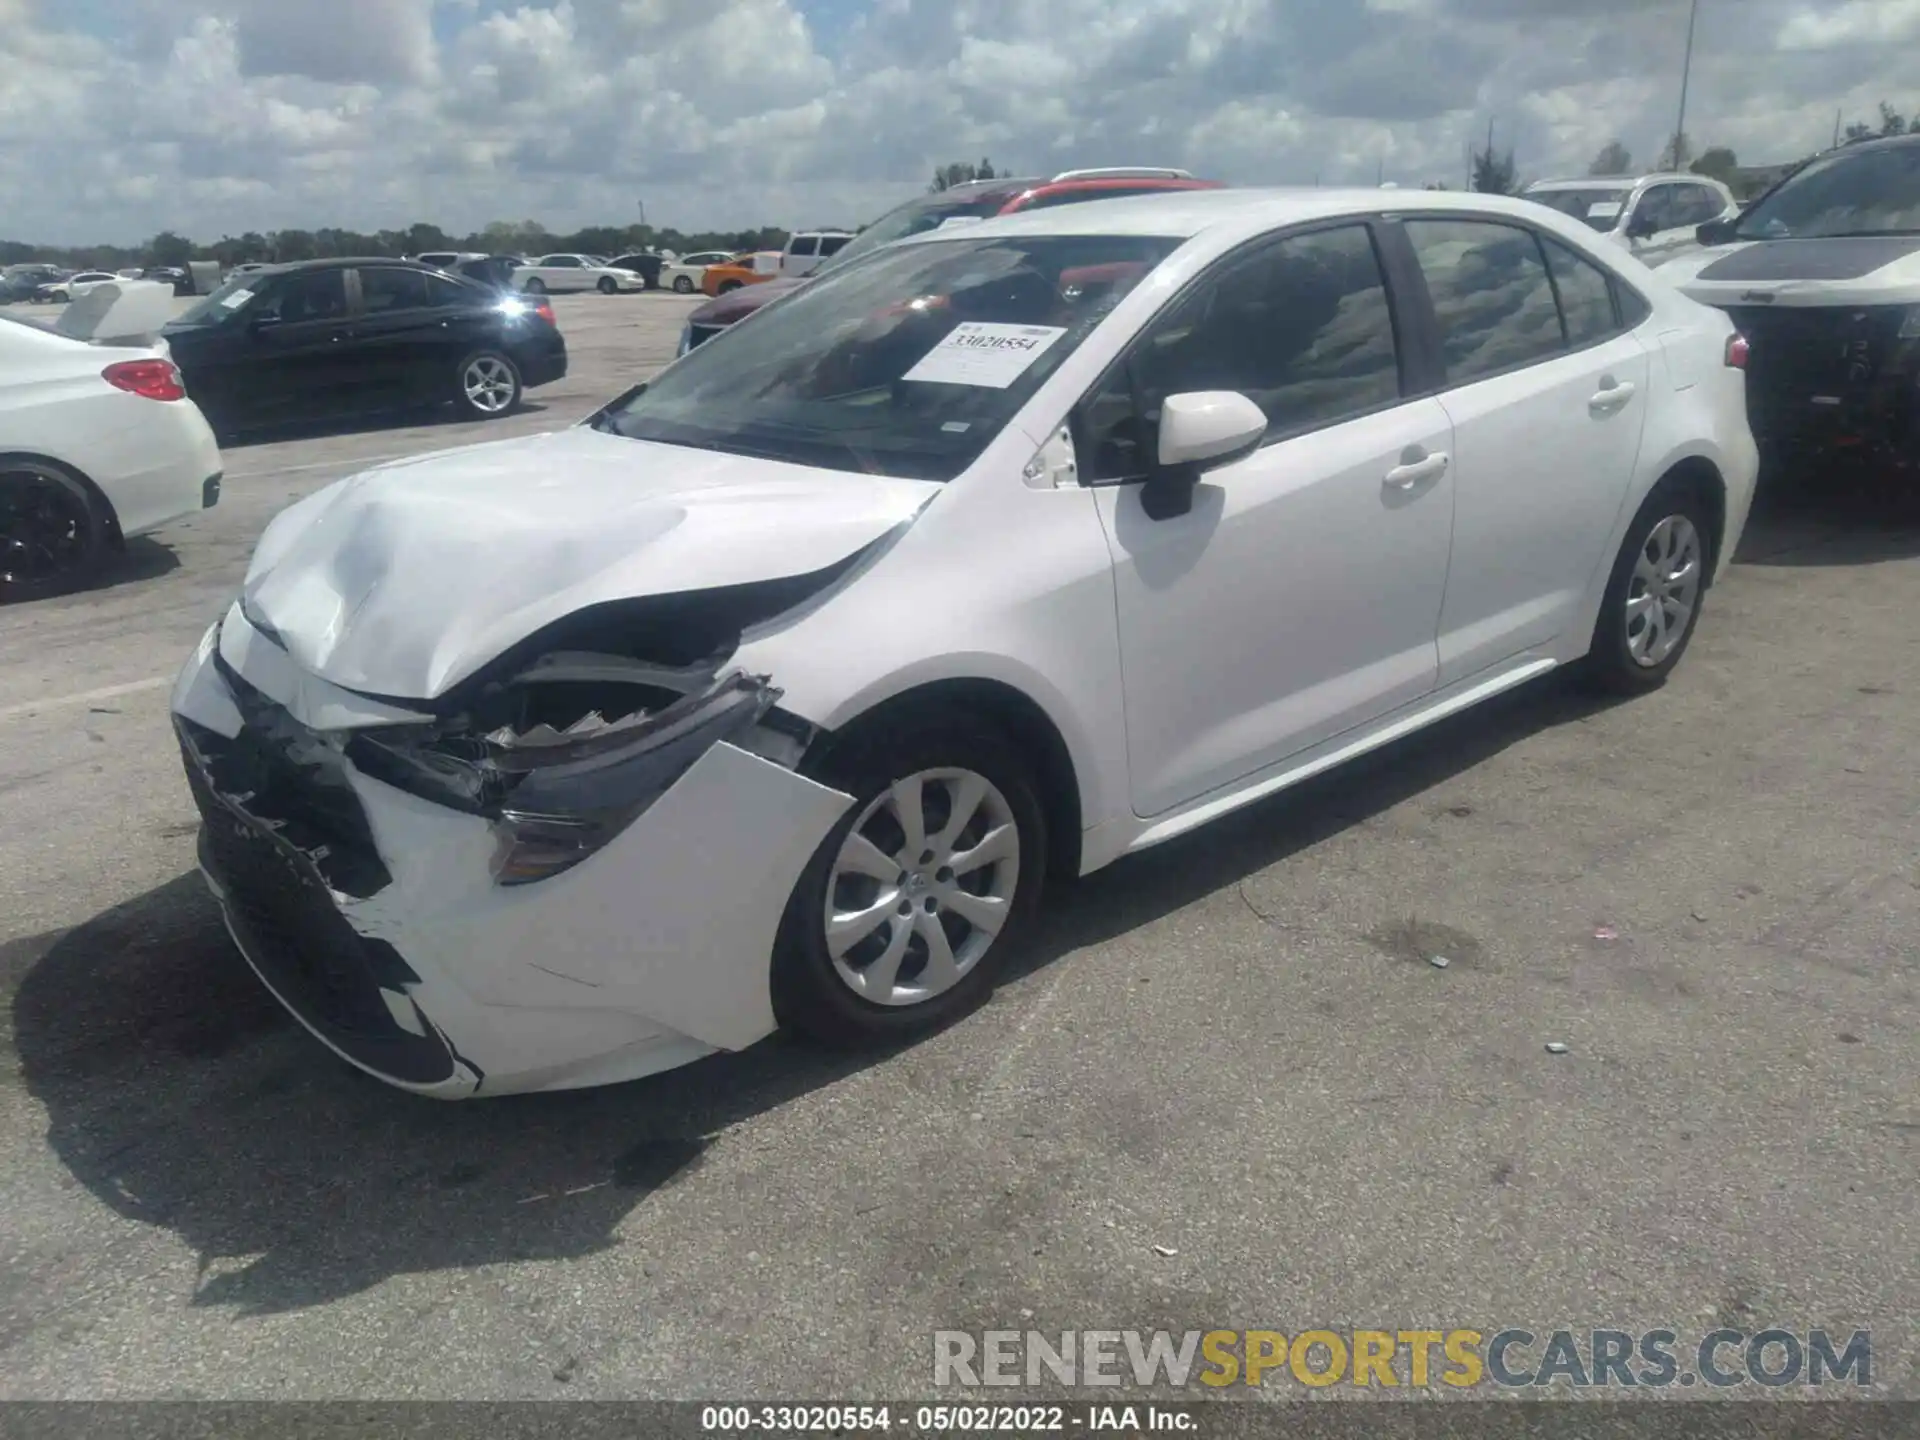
[92, 554]
[1610, 662]
[608, 285]
[535, 286]
[808, 994]
[727, 287]
[682, 285]
[467, 407]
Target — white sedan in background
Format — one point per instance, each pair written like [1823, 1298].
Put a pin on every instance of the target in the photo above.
[1236, 486]
[74, 286]
[98, 443]
[558, 273]
[685, 274]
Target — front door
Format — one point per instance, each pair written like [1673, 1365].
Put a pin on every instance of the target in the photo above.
[298, 361]
[1547, 392]
[1659, 228]
[1300, 596]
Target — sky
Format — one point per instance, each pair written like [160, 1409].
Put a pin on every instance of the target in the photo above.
[120, 118]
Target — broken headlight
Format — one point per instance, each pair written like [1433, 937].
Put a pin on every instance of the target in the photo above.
[557, 780]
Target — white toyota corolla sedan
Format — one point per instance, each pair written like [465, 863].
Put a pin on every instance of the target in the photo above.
[774, 693]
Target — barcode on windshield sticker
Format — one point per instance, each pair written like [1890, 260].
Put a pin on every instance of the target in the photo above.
[985, 355]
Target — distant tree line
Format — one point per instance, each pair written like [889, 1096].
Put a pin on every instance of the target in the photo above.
[528, 237]
[1495, 171]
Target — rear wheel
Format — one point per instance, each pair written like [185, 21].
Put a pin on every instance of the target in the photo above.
[53, 530]
[683, 284]
[535, 285]
[608, 285]
[1653, 598]
[913, 904]
[489, 385]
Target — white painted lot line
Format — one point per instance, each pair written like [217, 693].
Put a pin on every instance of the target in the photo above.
[348, 463]
[106, 692]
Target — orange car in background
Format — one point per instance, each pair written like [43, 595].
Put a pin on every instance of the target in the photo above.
[751, 268]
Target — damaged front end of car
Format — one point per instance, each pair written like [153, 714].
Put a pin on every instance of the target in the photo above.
[562, 756]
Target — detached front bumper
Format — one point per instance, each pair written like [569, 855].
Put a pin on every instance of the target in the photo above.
[373, 915]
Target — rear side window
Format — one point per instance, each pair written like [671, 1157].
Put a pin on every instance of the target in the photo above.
[1490, 293]
[1698, 204]
[833, 244]
[1586, 296]
[804, 245]
[382, 290]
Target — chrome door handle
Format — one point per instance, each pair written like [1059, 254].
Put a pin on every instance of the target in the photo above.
[1610, 398]
[1405, 477]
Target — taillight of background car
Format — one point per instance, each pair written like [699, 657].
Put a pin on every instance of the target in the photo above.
[1737, 352]
[149, 379]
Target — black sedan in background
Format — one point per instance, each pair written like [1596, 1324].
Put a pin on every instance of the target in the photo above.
[329, 338]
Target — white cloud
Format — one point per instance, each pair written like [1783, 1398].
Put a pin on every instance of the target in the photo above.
[218, 116]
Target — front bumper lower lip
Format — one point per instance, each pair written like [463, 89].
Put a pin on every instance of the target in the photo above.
[650, 954]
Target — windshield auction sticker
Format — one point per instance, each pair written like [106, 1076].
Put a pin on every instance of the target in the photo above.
[985, 355]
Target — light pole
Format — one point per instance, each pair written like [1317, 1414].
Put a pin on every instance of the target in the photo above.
[1686, 73]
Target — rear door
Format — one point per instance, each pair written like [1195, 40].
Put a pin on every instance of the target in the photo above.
[410, 332]
[1547, 391]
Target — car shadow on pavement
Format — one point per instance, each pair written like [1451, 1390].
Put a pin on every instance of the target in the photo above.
[1833, 519]
[181, 1095]
[429, 418]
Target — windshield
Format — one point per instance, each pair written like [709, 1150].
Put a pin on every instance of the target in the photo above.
[907, 365]
[1598, 205]
[1862, 192]
[216, 306]
[916, 217]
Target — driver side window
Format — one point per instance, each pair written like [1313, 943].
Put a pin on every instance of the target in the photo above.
[1302, 328]
[1654, 213]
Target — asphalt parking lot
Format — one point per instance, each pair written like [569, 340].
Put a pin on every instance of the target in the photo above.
[1227, 1090]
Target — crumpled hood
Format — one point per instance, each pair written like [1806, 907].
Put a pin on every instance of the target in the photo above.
[404, 580]
[1843, 270]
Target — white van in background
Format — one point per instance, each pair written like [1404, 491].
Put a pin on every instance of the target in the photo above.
[806, 249]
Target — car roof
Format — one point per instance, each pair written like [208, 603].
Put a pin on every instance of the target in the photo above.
[337, 262]
[1183, 214]
[1620, 182]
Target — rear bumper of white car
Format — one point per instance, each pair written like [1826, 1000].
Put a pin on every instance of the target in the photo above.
[373, 915]
[158, 461]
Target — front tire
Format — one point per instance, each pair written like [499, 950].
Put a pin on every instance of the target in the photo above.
[1654, 595]
[912, 906]
[608, 285]
[53, 530]
[535, 285]
[683, 284]
[487, 385]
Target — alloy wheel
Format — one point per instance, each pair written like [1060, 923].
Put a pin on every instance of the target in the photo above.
[488, 382]
[44, 527]
[921, 886]
[1663, 590]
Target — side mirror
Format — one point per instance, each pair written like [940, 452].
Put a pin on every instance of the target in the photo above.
[1641, 227]
[1199, 431]
[1205, 428]
[1715, 232]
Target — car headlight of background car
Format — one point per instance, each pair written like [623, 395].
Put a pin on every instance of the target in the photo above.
[556, 796]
